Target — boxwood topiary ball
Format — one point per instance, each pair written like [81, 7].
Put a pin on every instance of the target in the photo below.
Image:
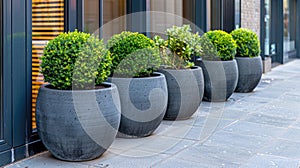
[247, 42]
[75, 59]
[133, 54]
[223, 44]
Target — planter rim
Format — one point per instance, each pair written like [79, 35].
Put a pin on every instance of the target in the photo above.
[111, 86]
[159, 75]
[248, 57]
[218, 61]
[193, 68]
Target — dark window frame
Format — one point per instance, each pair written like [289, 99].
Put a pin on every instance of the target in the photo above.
[223, 15]
[1, 55]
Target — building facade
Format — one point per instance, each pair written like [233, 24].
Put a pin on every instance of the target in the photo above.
[27, 25]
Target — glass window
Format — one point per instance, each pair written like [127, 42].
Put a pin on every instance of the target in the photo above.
[112, 9]
[267, 20]
[47, 23]
[289, 20]
[237, 13]
[113, 21]
[176, 12]
[91, 15]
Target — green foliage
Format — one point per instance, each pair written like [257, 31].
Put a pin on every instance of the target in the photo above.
[75, 58]
[209, 51]
[134, 55]
[180, 45]
[223, 45]
[247, 42]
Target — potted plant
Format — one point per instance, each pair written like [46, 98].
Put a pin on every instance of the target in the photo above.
[185, 81]
[143, 92]
[219, 66]
[77, 113]
[248, 60]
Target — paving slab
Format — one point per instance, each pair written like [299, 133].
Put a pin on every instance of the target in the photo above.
[269, 161]
[283, 148]
[258, 129]
[255, 129]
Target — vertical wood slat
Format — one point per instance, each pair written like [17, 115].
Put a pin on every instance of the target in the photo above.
[47, 23]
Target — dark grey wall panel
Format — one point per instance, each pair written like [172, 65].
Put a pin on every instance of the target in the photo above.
[19, 56]
[200, 14]
[6, 143]
[5, 158]
[277, 29]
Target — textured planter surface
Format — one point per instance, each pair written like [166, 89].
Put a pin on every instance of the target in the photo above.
[143, 104]
[78, 125]
[220, 78]
[250, 72]
[185, 92]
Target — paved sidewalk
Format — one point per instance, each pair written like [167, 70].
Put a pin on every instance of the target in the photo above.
[258, 129]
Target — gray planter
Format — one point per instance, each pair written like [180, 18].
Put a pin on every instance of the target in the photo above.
[250, 72]
[78, 125]
[185, 92]
[220, 78]
[143, 103]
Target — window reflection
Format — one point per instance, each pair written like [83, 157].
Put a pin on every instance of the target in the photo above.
[267, 20]
[237, 14]
[176, 12]
[91, 15]
[112, 12]
[289, 9]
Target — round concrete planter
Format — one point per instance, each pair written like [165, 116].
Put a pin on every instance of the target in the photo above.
[143, 103]
[78, 125]
[250, 72]
[185, 92]
[220, 78]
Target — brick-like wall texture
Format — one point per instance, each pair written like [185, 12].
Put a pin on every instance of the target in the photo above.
[250, 15]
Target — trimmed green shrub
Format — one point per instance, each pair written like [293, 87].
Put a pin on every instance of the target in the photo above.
[133, 54]
[247, 42]
[220, 43]
[209, 52]
[75, 58]
[180, 45]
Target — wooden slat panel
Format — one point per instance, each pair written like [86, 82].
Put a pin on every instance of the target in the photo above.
[47, 14]
[48, 28]
[47, 19]
[48, 22]
[42, 38]
[47, 9]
